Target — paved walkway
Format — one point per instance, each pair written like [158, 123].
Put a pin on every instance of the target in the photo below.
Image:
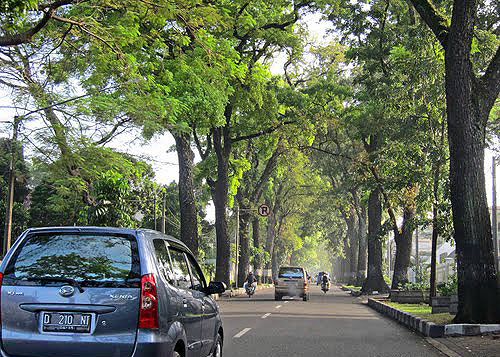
[484, 346]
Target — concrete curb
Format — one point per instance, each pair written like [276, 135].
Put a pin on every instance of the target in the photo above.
[428, 328]
[241, 291]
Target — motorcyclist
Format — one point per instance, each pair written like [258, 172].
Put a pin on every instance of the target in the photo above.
[325, 280]
[250, 281]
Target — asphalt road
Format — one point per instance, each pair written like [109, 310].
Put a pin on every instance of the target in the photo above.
[334, 324]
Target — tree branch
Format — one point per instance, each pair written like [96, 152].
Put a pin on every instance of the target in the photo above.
[491, 78]
[27, 36]
[105, 138]
[436, 22]
[263, 132]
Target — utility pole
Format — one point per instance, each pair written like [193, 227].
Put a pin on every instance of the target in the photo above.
[154, 207]
[163, 223]
[494, 215]
[7, 238]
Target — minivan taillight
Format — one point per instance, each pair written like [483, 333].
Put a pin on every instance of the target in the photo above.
[148, 311]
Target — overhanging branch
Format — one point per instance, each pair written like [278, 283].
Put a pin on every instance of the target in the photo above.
[436, 22]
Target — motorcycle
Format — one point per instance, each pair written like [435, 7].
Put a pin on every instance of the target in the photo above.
[325, 286]
[250, 290]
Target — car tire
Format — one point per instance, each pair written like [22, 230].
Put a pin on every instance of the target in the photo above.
[305, 298]
[218, 347]
[176, 354]
[277, 297]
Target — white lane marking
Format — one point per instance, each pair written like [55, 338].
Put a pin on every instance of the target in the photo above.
[266, 315]
[286, 302]
[242, 332]
[278, 306]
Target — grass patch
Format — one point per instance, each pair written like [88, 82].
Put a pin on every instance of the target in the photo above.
[424, 312]
[352, 287]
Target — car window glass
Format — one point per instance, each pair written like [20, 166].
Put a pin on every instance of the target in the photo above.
[163, 260]
[196, 274]
[180, 269]
[92, 259]
[291, 273]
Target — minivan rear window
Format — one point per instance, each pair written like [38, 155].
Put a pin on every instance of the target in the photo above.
[291, 273]
[100, 260]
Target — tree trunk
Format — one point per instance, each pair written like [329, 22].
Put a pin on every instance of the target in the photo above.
[375, 279]
[435, 192]
[187, 200]
[257, 266]
[468, 107]
[270, 234]
[219, 190]
[403, 241]
[468, 103]
[353, 248]
[362, 255]
[274, 265]
[244, 234]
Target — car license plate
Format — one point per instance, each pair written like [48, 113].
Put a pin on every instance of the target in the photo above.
[66, 322]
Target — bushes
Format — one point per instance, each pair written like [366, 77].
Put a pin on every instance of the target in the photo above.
[450, 287]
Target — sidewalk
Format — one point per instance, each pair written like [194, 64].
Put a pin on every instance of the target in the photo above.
[465, 346]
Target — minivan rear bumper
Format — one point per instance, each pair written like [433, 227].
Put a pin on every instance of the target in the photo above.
[152, 343]
[149, 343]
[290, 291]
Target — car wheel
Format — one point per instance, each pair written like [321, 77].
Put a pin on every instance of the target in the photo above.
[176, 354]
[218, 347]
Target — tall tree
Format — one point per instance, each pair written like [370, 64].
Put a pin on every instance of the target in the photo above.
[471, 91]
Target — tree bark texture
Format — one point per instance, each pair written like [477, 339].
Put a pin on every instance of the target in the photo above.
[468, 111]
[375, 279]
[403, 239]
[257, 266]
[353, 247]
[187, 200]
[219, 190]
[270, 235]
[362, 255]
[435, 192]
[244, 245]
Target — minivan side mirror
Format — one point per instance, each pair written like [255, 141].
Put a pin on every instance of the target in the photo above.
[215, 287]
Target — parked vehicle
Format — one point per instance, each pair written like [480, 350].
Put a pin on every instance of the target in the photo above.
[292, 281]
[100, 292]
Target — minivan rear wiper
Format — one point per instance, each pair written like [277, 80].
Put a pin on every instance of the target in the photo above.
[70, 281]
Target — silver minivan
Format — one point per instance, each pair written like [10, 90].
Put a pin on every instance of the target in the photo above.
[106, 292]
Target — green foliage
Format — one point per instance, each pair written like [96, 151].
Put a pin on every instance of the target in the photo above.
[450, 287]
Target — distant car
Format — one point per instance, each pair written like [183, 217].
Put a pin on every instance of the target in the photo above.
[102, 292]
[292, 281]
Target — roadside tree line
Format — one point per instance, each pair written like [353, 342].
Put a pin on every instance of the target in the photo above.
[387, 120]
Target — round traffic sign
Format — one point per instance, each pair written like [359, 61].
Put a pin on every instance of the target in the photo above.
[264, 210]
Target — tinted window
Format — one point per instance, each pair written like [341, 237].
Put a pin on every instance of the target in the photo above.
[163, 260]
[92, 259]
[196, 274]
[180, 269]
[291, 273]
